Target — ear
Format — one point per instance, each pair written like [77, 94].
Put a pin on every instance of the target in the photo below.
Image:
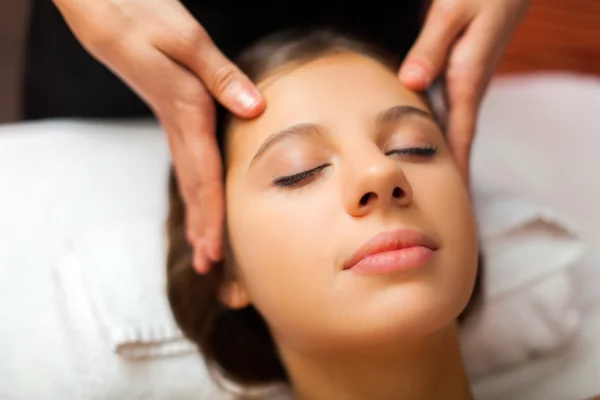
[234, 294]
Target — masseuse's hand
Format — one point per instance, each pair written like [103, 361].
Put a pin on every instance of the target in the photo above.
[166, 56]
[467, 38]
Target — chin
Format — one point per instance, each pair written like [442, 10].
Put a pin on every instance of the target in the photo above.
[409, 316]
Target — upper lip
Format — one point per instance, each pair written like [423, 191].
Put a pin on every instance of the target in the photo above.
[391, 241]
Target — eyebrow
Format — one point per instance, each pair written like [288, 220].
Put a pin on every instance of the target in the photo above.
[398, 113]
[392, 115]
[302, 129]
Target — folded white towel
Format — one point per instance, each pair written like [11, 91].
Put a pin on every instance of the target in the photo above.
[123, 268]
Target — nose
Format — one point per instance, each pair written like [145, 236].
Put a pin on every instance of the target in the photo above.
[376, 182]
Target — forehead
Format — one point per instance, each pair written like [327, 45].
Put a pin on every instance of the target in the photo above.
[338, 91]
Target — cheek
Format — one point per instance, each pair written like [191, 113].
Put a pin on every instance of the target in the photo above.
[278, 242]
[445, 204]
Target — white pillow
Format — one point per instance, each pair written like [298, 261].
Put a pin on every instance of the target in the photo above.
[529, 307]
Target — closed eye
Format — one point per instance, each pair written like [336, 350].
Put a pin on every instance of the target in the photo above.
[425, 151]
[301, 177]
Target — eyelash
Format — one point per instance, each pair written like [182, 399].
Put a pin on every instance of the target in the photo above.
[425, 151]
[295, 179]
[292, 180]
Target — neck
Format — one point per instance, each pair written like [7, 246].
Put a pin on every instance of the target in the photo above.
[430, 368]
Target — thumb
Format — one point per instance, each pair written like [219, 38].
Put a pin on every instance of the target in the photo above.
[427, 57]
[224, 80]
[228, 84]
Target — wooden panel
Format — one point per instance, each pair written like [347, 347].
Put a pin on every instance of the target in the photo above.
[557, 35]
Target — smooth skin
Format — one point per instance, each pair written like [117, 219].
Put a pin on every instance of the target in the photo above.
[166, 56]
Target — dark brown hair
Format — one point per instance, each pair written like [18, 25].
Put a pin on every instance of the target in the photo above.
[238, 342]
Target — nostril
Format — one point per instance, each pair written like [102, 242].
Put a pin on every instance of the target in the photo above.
[398, 193]
[366, 198]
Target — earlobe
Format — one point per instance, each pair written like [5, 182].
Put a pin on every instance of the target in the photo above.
[234, 295]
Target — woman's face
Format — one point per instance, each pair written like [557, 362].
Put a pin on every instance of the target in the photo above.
[342, 155]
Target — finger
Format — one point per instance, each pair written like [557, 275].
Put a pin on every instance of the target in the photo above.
[195, 234]
[200, 261]
[202, 175]
[228, 84]
[187, 113]
[201, 183]
[198, 216]
[208, 189]
[462, 120]
[445, 21]
[194, 226]
[194, 223]
[470, 67]
[191, 46]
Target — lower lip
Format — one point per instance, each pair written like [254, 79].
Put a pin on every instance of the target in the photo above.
[406, 259]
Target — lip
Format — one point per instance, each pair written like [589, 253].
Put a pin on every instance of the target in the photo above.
[393, 251]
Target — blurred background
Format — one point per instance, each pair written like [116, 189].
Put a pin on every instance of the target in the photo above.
[14, 15]
[556, 35]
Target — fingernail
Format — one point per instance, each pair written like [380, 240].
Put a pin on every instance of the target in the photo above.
[200, 263]
[245, 98]
[214, 251]
[415, 74]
